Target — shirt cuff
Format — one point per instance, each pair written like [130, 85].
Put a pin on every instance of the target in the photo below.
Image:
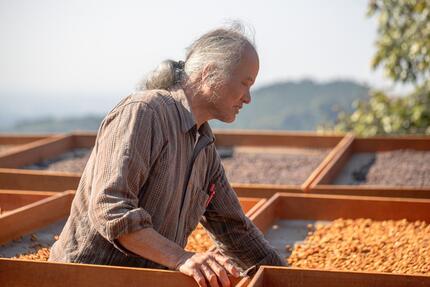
[272, 259]
[132, 221]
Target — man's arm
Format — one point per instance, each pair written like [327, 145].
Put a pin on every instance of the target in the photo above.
[208, 266]
[235, 235]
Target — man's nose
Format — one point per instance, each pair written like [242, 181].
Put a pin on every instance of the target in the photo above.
[247, 98]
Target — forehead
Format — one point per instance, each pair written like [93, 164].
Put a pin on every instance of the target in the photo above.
[248, 66]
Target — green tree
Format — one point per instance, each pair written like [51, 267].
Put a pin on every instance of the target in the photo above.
[403, 43]
[403, 50]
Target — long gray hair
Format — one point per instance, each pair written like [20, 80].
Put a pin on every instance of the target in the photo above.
[221, 47]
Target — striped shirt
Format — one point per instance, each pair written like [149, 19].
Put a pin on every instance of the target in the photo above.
[146, 170]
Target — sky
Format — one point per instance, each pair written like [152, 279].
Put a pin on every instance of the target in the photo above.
[89, 54]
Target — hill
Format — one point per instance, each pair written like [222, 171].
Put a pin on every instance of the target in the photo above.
[300, 105]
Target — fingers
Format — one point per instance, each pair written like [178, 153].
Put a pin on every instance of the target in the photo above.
[210, 275]
[200, 279]
[227, 264]
[220, 272]
[209, 269]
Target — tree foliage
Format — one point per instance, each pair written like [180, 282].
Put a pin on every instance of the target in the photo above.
[403, 43]
[403, 49]
[384, 115]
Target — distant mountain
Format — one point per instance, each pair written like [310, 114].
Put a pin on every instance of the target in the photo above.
[55, 125]
[300, 105]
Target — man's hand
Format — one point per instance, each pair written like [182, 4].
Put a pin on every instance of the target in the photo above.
[206, 267]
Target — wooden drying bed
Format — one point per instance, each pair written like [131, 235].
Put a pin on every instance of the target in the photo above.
[57, 145]
[289, 277]
[29, 212]
[323, 183]
[47, 274]
[284, 210]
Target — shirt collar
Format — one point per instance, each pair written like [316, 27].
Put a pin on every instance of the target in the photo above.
[187, 119]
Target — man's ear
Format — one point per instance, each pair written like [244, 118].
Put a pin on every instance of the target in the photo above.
[208, 72]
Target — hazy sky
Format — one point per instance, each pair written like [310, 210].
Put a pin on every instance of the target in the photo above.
[87, 48]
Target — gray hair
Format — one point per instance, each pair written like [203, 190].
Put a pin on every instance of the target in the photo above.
[222, 47]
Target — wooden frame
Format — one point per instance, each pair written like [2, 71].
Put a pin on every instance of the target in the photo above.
[54, 181]
[292, 277]
[46, 148]
[12, 178]
[275, 138]
[322, 183]
[19, 141]
[329, 207]
[33, 216]
[13, 199]
[31, 273]
[20, 179]
[26, 219]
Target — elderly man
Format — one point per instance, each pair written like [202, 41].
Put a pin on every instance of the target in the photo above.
[154, 172]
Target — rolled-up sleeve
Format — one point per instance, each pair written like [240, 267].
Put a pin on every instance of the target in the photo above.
[128, 142]
[235, 235]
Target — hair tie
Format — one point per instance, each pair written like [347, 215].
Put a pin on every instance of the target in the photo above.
[180, 65]
[179, 71]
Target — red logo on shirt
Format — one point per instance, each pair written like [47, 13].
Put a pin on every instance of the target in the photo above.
[211, 193]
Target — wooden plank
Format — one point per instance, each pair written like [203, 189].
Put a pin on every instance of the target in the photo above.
[372, 190]
[275, 138]
[59, 205]
[256, 204]
[337, 162]
[321, 184]
[267, 214]
[244, 282]
[330, 207]
[31, 273]
[37, 180]
[262, 190]
[374, 144]
[84, 139]
[13, 199]
[34, 216]
[36, 151]
[333, 156]
[248, 204]
[295, 277]
[19, 139]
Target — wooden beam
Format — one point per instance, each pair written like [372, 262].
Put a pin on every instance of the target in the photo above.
[372, 190]
[262, 190]
[330, 159]
[19, 139]
[248, 204]
[330, 207]
[31, 273]
[340, 156]
[267, 214]
[84, 139]
[375, 144]
[31, 217]
[275, 138]
[13, 199]
[35, 151]
[20, 179]
[297, 277]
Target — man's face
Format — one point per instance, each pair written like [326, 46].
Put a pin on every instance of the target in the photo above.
[234, 92]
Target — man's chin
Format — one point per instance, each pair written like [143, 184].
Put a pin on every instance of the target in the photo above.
[229, 119]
